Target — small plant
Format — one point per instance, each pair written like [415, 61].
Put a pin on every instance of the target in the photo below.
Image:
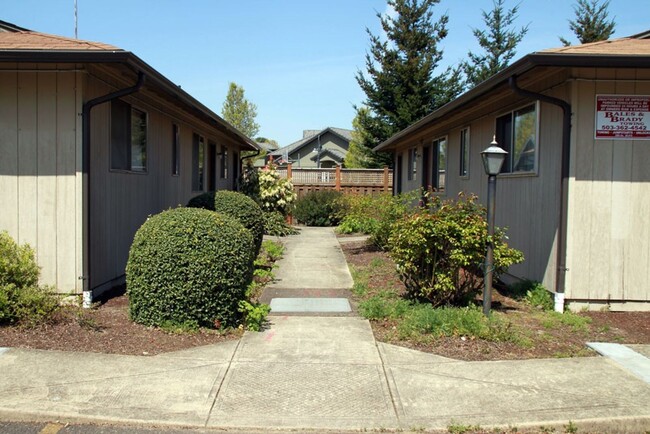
[22, 300]
[187, 327]
[456, 428]
[538, 297]
[571, 428]
[86, 321]
[272, 250]
[383, 306]
[276, 225]
[318, 208]
[254, 314]
[552, 320]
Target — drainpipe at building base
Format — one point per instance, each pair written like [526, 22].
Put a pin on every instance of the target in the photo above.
[559, 302]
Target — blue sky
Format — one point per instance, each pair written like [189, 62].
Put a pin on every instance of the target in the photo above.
[296, 59]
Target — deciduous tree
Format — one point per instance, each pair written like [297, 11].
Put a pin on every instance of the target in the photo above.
[239, 112]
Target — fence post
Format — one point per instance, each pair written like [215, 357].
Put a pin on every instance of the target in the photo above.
[338, 178]
[385, 179]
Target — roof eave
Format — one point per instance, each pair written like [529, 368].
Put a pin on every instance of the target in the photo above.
[128, 58]
[521, 66]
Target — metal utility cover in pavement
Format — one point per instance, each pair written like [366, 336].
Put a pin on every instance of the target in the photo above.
[310, 305]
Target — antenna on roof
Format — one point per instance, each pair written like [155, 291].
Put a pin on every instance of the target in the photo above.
[75, 19]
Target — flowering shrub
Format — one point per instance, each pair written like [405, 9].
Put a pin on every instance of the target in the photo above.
[276, 193]
[439, 251]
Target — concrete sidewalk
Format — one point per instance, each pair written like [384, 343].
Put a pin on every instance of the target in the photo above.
[320, 373]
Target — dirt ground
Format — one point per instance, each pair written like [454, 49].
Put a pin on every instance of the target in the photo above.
[556, 340]
[106, 329]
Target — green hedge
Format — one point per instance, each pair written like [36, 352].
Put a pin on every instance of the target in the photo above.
[319, 208]
[189, 266]
[203, 200]
[244, 209]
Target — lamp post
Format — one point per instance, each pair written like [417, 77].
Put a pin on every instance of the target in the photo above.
[493, 158]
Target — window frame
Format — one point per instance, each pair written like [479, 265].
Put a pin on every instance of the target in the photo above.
[128, 139]
[435, 166]
[510, 146]
[198, 162]
[465, 152]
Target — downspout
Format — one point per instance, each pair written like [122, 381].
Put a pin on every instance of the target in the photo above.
[560, 277]
[88, 105]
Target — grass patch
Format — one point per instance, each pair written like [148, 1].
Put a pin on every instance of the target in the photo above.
[554, 320]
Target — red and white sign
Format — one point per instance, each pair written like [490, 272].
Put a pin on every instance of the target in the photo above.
[623, 117]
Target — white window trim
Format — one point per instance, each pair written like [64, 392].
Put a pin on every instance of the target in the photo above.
[434, 159]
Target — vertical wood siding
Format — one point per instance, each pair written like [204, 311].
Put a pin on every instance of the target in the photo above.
[120, 201]
[609, 220]
[38, 177]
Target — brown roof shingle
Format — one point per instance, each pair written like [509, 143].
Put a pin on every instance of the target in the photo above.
[42, 41]
[620, 46]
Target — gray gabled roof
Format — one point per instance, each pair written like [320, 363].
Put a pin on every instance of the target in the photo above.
[289, 149]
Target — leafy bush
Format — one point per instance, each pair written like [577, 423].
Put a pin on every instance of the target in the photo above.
[276, 225]
[319, 208]
[254, 314]
[245, 210]
[22, 300]
[203, 200]
[537, 296]
[375, 214]
[439, 251]
[276, 193]
[189, 265]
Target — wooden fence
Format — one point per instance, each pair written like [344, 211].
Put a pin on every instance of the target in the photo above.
[360, 181]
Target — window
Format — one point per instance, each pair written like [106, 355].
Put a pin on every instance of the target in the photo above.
[198, 162]
[517, 134]
[128, 137]
[439, 164]
[464, 152]
[412, 164]
[224, 162]
[176, 149]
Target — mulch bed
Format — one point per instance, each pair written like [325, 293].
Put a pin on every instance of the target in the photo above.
[106, 329]
[559, 341]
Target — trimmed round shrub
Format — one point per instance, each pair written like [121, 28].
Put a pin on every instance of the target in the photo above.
[189, 267]
[319, 208]
[203, 200]
[244, 209]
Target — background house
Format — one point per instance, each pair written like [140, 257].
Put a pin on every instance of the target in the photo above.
[575, 189]
[318, 148]
[92, 141]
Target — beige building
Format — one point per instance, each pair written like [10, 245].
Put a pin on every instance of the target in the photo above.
[325, 148]
[92, 141]
[574, 192]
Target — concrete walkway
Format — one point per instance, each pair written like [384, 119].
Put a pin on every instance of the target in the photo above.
[320, 373]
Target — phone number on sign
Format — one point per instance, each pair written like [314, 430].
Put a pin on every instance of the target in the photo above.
[623, 127]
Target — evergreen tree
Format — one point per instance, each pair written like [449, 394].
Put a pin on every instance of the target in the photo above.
[498, 41]
[400, 84]
[239, 112]
[360, 153]
[591, 23]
